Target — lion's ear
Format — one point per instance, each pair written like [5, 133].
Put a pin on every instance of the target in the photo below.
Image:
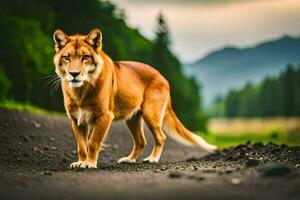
[94, 38]
[60, 39]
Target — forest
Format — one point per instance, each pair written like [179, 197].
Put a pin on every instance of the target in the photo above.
[274, 96]
[27, 51]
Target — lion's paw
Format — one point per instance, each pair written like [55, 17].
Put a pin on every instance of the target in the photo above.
[151, 159]
[82, 164]
[126, 160]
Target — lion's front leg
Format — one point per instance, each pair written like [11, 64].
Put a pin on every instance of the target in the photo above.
[100, 129]
[81, 136]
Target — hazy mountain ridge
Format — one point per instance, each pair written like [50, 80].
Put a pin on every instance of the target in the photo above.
[232, 67]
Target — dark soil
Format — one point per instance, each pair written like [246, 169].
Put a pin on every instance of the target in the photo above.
[35, 152]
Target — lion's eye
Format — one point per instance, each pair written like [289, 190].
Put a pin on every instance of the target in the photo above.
[85, 57]
[66, 58]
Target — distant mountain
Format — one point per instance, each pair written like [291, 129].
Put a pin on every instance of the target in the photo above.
[232, 67]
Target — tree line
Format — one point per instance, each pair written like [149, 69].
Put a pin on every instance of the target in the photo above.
[27, 50]
[274, 96]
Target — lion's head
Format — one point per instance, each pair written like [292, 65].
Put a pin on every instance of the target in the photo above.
[77, 58]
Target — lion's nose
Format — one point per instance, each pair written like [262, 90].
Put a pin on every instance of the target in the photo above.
[74, 74]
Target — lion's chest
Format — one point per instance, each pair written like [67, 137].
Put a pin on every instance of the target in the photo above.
[82, 116]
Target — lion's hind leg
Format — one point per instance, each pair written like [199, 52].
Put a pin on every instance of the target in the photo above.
[136, 127]
[154, 107]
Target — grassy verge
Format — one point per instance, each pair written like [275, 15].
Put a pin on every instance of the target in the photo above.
[21, 106]
[223, 141]
[278, 129]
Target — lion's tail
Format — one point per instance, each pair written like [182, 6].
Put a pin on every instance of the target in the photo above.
[177, 131]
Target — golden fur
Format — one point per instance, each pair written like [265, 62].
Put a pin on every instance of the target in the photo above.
[97, 91]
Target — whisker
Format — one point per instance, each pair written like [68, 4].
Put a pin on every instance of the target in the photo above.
[54, 83]
[47, 76]
[52, 79]
[55, 86]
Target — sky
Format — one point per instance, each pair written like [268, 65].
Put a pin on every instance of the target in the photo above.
[198, 27]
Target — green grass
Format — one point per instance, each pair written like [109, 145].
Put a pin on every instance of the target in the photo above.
[24, 107]
[223, 141]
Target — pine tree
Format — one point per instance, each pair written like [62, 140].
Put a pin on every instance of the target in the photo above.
[162, 32]
[185, 92]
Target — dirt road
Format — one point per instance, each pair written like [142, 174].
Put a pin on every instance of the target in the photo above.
[35, 152]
